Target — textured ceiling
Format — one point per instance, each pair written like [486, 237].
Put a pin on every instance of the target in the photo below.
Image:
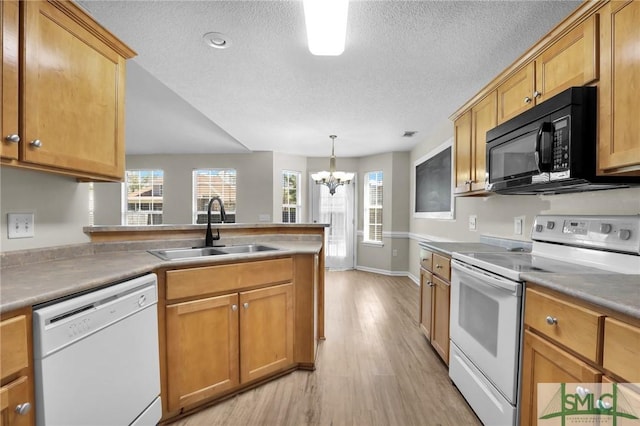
[407, 65]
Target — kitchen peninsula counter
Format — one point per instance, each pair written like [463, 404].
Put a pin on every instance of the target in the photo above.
[30, 277]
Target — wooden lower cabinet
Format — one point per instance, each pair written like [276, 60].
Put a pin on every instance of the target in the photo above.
[17, 401]
[440, 329]
[216, 344]
[545, 363]
[202, 349]
[435, 292]
[266, 331]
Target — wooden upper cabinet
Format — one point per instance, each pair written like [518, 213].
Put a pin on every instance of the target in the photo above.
[515, 95]
[570, 61]
[483, 119]
[73, 92]
[471, 145]
[9, 82]
[462, 136]
[619, 127]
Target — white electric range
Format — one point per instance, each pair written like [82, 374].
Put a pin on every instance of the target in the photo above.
[486, 301]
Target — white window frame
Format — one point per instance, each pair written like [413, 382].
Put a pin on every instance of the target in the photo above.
[125, 197]
[225, 197]
[368, 205]
[298, 204]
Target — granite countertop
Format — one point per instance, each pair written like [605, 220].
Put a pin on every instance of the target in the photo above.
[618, 292]
[31, 284]
[448, 248]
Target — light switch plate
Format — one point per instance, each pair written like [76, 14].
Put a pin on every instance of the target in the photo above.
[20, 225]
[518, 224]
[473, 222]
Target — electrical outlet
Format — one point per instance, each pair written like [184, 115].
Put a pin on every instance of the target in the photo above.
[20, 225]
[394, 252]
[518, 224]
[473, 222]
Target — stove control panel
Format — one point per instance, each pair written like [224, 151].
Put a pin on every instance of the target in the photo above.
[614, 233]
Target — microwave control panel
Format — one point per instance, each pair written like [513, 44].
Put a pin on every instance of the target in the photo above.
[561, 142]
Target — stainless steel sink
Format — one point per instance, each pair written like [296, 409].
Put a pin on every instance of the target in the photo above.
[188, 253]
[247, 248]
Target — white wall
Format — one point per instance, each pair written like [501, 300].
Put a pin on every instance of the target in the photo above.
[495, 213]
[60, 205]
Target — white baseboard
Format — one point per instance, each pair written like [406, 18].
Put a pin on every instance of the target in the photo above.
[383, 271]
[413, 278]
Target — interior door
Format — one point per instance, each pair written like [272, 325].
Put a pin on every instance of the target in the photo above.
[338, 211]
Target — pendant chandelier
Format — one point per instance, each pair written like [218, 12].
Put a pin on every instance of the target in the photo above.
[332, 178]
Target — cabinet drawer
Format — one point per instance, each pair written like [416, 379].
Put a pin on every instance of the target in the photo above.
[442, 266]
[622, 350]
[573, 326]
[12, 395]
[183, 283]
[426, 259]
[14, 354]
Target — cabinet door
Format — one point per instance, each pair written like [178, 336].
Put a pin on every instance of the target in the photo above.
[619, 127]
[571, 61]
[484, 118]
[202, 349]
[266, 331]
[12, 396]
[542, 362]
[9, 80]
[426, 300]
[462, 134]
[440, 326]
[515, 95]
[73, 94]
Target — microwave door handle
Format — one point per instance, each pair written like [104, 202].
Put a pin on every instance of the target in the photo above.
[544, 146]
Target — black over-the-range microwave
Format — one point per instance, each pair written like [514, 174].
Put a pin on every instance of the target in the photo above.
[550, 148]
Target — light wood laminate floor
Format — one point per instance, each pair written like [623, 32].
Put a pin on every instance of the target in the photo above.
[375, 368]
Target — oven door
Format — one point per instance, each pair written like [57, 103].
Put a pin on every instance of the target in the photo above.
[486, 324]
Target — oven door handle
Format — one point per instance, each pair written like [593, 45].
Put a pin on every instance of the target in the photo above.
[489, 279]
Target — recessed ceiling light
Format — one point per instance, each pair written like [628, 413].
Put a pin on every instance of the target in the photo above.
[217, 40]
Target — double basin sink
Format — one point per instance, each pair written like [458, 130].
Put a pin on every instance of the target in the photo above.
[188, 253]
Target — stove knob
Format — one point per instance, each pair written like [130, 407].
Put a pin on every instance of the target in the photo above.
[605, 228]
[539, 228]
[551, 224]
[625, 234]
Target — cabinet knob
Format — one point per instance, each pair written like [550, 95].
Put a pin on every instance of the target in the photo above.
[430, 284]
[234, 308]
[537, 94]
[36, 143]
[245, 305]
[552, 320]
[603, 405]
[23, 408]
[12, 138]
[527, 100]
[582, 391]
[438, 266]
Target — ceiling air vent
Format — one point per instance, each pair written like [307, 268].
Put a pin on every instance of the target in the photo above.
[409, 133]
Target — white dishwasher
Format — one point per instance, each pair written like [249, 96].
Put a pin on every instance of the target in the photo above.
[96, 357]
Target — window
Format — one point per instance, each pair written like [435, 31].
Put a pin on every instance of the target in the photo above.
[208, 183]
[373, 207]
[290, 196]
[143, 193]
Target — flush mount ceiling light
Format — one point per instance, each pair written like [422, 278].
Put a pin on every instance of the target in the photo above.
[217, 40]
[332, 178]
[326, 22]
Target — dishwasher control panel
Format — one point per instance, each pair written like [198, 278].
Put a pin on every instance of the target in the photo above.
[62, 324]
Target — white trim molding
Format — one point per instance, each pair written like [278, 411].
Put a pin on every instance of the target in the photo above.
[388, 234]
[426, 237]
[383, 271]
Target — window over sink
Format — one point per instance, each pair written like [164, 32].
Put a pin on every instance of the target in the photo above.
[208, 183]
